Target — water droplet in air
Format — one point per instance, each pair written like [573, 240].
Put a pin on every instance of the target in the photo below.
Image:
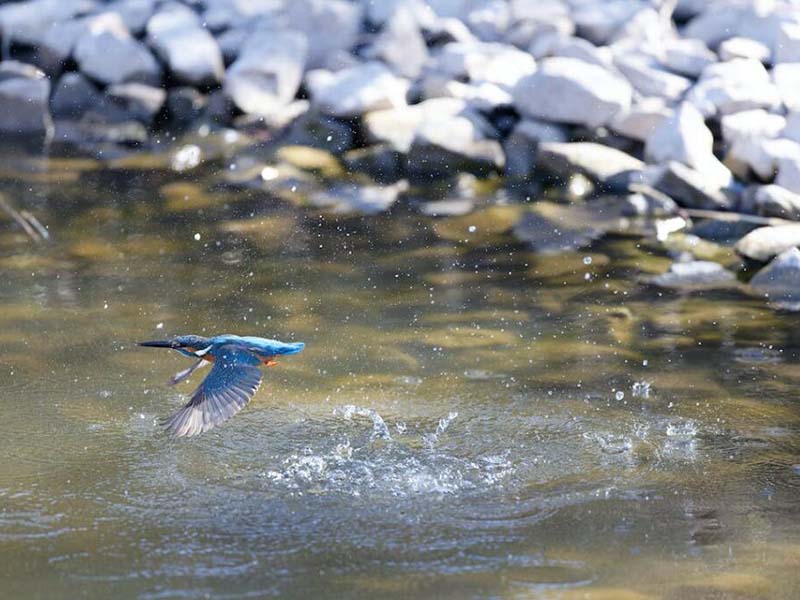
[587, 260]
[619, 395]
[197, 237]
[472, 229]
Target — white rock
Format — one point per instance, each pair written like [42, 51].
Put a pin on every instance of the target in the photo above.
[109, 55]
[354, 91]
[134, 13]
[191, 52]
[650, 81]
[400, 44]
[329, 26]
[765, 242]
[762, 155]
[684, 138]
[266, 76]
[494, 63]
[572, 47]
[792, 129]
[734, 86]
[597, 162]
[479, 96]
[687, 57]
[780, 279]
[723, 19]
[787, 50]
[597, 21]
[739, 47]
[488, 19]
[641, 120]
[572, 91]
[24, 95]
[789, 171]
[26, 22]
[751, 124]
[786, 77]
[398, 126]
[776, 201]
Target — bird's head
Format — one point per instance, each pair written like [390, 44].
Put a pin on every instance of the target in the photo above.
[190, 345]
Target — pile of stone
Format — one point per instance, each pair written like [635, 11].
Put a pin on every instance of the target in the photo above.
[696, 99]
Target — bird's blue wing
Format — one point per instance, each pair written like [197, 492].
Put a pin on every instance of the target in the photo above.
[232, 382]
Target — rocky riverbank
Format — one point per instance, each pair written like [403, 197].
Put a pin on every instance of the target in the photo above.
[671, 105]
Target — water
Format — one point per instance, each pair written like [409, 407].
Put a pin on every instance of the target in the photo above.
[469, 419]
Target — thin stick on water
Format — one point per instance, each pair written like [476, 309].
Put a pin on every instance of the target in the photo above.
[21, 221]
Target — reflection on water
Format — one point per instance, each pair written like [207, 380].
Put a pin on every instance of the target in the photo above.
[469, 418]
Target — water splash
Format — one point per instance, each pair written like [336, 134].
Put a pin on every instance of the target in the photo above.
[379, 428]
[641, 389]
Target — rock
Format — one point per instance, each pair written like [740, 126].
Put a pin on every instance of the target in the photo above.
[775, 201]
[687, 57]
[787, 48]
[381, 162]
[268, 72]
[24, 95]
[485, 97]
[55, 48]
[641, 120]
[789, 169]
[26, 22]
[600, 164]
[792, 129]
[329, 26]
[751, 124]
[734, 86]
[572, 91]
[780, 279]
[190, 52]
[521, 145]
[362, 199]
[786, 77]
[690, 188]
[684, 137]
[723, 231]
[723, 20]
[448, 208]
[739, 47]
[483, 62]
[650, 206]
[136, 102]
[354, 91]
[765, 242]
[134, 13]
[551, 231]
[454, 145]
[650, 81]
[580, 49]
[109, 56]
[320, 131]
[398, 126]
[598, 21]
[488, 19]
[695, 274]
[401, 44]
[73, 96]
[761, 155]
[184, 107]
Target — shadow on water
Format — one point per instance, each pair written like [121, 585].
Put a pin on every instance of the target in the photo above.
[469, 418]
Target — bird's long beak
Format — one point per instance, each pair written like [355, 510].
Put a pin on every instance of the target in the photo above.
[159, 344]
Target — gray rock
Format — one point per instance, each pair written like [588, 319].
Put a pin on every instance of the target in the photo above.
[572, 91]
[600, 164]
[643, 205]
[642, 119]
[184, 106]
[786, 77]
[136, 101]
[190, 52]
[268, 72]
[455, 145]
[690, 188]
[73, 96]
[687, 57]
[684, 137]
[488, 19]
[572, 47]
[230, 42]
[789, 169]
[398, 126]
[27, 22]
[134, 13]
[554, 233]
[651, 81]
[111, 56]
[723, 20]
[400, 44]
[329, 26]
[354, 91]
[787, 48]
[320, 131]
[792, 129]
[381, 162]
[24, 95]
[522, 144]
[696, 274]
[765, 242]
[598, 21]
[55, 48]
[780, 279]
[739, 47]
[775, 201]
[734, 86]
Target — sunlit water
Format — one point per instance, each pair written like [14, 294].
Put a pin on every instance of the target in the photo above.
[469, 419]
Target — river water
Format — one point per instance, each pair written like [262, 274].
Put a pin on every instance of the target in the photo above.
[469, 419]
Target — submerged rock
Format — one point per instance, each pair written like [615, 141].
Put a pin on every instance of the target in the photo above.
[24, 94]
[765, 242]
[362, 199]
[600, 164]
[696, 274]
[523, 142]
[568, 90]
[780, 279]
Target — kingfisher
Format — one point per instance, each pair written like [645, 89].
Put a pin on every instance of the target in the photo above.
[231, 383]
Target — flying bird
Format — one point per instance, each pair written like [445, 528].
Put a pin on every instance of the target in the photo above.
[233, 380]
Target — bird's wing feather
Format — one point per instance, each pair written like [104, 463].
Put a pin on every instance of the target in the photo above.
[232, 382]
[181, 375]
